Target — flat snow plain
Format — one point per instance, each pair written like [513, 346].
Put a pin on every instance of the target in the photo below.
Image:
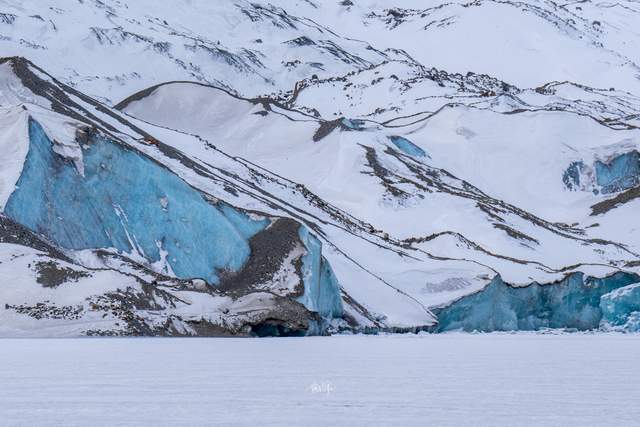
[440, 380]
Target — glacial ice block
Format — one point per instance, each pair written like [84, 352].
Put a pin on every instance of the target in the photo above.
[321, 288]
[621, 309]
[128, 202]
[621, 173]
[571, 177]
[407, 146]
[571, 303]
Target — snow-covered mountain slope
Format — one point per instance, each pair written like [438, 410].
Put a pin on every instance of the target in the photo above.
[251, 47]
[184, 261]
[116, 47]
[364, 163]
[526, 43]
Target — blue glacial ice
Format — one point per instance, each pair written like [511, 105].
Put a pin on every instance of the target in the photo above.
[571, 176]
[407, 146]
[321, 287]
[353, 124]
[573, 303]
[618, 174]
[129, 202]
[621, 173]
[621, 309]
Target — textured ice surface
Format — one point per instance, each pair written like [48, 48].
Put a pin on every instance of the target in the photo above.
[619, 174]
[407, 146]
[571, 176]
[440, 380]
[621, 309]
[128, 202]
[353, 124]
[572, 303]
[321, 288]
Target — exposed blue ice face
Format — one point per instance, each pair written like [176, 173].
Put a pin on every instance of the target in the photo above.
[321, 288]
[407, 146]
[572, 303]
[621, 309]
[128, 202]
[353, 124]
[571, 176]
[621, 173]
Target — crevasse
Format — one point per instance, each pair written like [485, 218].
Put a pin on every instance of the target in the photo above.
[573, 303]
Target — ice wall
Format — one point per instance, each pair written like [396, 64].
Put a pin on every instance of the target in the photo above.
[621, 309]
[129, 202]
[574, 302]
[407, 146]
[321, 288]
[571, 176]
[621, 173]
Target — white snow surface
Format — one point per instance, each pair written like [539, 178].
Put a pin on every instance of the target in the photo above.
[481, 147]
[13, 149]
[443, 380]
[112, 48]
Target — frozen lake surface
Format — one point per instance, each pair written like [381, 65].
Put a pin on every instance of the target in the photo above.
[440, 380]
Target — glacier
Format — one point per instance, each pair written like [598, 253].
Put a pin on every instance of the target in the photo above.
[571, 176]
[353, 124]
[619, 174]
[363, 169]
[127, 202]
[575, 303]
[321, 287]
[621, 309]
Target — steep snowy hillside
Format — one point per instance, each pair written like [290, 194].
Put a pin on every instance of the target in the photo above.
[101, 238]
[111, 49]
[307, 167]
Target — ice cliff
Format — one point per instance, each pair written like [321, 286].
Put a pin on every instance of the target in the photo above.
[97, 199]
[576, 302]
